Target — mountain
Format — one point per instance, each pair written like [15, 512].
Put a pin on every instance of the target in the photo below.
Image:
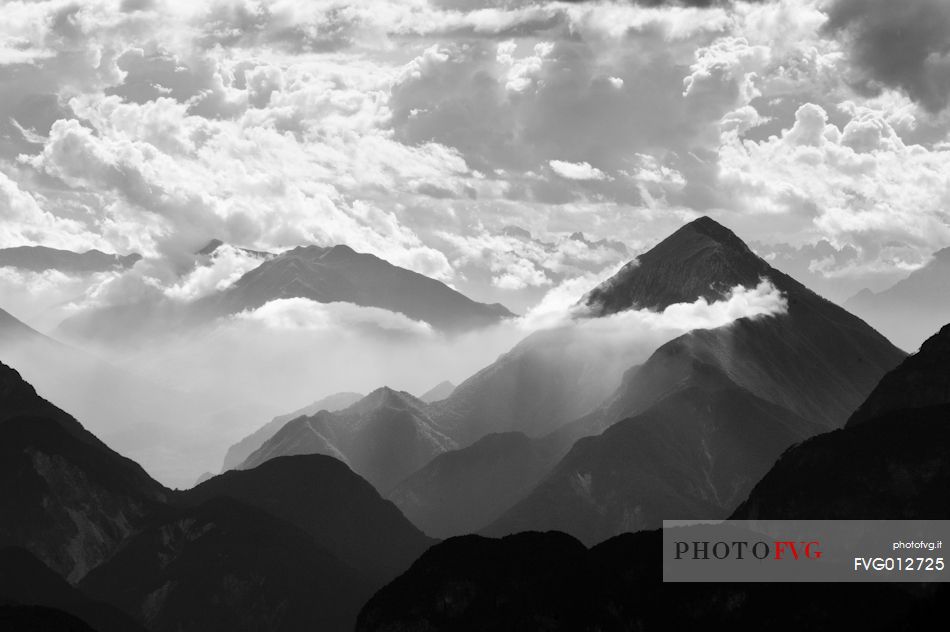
[340, 274]
[463, 490]
[238, 452]
[709, 412]
[912, 307]
[548, 379]
[212, 246]
[889, 462]
[36, 590]
[68, 498]
[549, 581]
[921, 381]
[128, 410]
[324, 498]
[222, 566]
[817, 360]
[438, 392]
[694, 455]
[41, 258]
[13, 330]
[384, 437]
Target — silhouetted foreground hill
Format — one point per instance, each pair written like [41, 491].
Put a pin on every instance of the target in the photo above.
[890, 467]
[549, 581]
[225, 566]
[889, 462]
[38, 593]
[298, 544]
[67, 497]
[322, 496]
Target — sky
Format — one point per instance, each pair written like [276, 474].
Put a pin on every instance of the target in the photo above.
[519, 151]
[468, 139]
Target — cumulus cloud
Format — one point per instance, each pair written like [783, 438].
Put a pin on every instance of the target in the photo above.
[305, 314]
[898, 44]
[576, 170]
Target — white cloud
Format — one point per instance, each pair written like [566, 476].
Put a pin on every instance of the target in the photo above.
[305, 314]
[576, 170]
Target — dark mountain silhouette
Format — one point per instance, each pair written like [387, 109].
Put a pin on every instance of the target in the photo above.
[463, 490]
[238, 452]
[907, 311]
[225, 566]
[921, 381]
[340, 274]
[68, 498]
[131, 408]
[694, 455]
[40, 258]
[40, 619]
[39, 593]
[438, 392]
[549, 581]
[384, 437]
[889, 462]
[340, 510]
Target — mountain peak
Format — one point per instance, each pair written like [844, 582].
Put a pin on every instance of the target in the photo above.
[703, 259]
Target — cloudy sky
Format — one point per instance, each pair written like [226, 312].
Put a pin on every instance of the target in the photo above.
[517, 150]
[469, 139]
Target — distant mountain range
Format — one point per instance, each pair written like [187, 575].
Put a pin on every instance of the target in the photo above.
[41, 258]
[889, 462]
[384, 437]
[238, 452]
[912, 308]
[694, 428]
[325, 275]
[699, 422]
[299, 543]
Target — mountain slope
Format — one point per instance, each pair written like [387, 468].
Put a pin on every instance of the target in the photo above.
[694, 455]
[223, 566]
[238, 452]
[438, 392]
[548, 581]
[340, 274]
[816, 360]
[70, 500]
[910, 309]
[26, 581]
[322, 496]
[889, 462]
[384, 437]
[463, 490]
[41, 258]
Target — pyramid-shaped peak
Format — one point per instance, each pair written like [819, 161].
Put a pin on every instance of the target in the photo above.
[709, 228]
[703, 259]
